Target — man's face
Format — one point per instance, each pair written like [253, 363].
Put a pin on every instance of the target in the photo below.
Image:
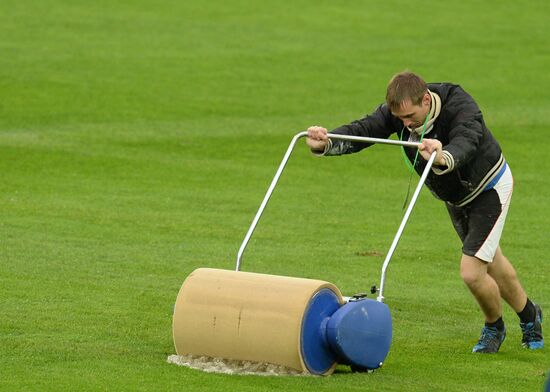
[413, 116]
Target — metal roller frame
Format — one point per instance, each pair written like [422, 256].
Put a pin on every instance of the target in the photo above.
[393, 246]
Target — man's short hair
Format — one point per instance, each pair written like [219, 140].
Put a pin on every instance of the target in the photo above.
[404, 86]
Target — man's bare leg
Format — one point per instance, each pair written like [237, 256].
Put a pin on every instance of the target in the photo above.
[506, 278]
[482, 285]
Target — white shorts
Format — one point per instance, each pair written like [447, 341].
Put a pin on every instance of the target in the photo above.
[479, 224]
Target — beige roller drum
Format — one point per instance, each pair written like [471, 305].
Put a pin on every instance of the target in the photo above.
[244, 316]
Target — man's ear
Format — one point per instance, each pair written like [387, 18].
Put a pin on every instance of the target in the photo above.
[426, 99]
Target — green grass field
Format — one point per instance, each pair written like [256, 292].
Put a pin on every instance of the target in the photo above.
[138, 138]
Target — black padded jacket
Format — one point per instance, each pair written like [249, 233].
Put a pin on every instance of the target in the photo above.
[476, 155]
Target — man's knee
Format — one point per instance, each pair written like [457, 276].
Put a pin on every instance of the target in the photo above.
[473, 271]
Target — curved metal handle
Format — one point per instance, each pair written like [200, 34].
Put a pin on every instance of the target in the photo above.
[429, 165]
[266, 198]
[372, 140]
[282, 166]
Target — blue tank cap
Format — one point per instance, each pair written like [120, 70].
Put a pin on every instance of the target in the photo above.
[360, 333]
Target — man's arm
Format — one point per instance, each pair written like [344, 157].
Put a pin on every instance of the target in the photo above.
[377, 125]
[466, 131]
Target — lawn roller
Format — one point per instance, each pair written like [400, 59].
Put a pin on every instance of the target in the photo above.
[303, 324]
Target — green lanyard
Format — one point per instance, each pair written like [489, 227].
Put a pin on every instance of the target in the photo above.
[408, 163]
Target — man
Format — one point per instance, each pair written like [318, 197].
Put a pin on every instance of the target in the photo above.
[470, 174]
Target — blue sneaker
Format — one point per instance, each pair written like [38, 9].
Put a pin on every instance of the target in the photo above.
[532, 332]
[490, 340]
